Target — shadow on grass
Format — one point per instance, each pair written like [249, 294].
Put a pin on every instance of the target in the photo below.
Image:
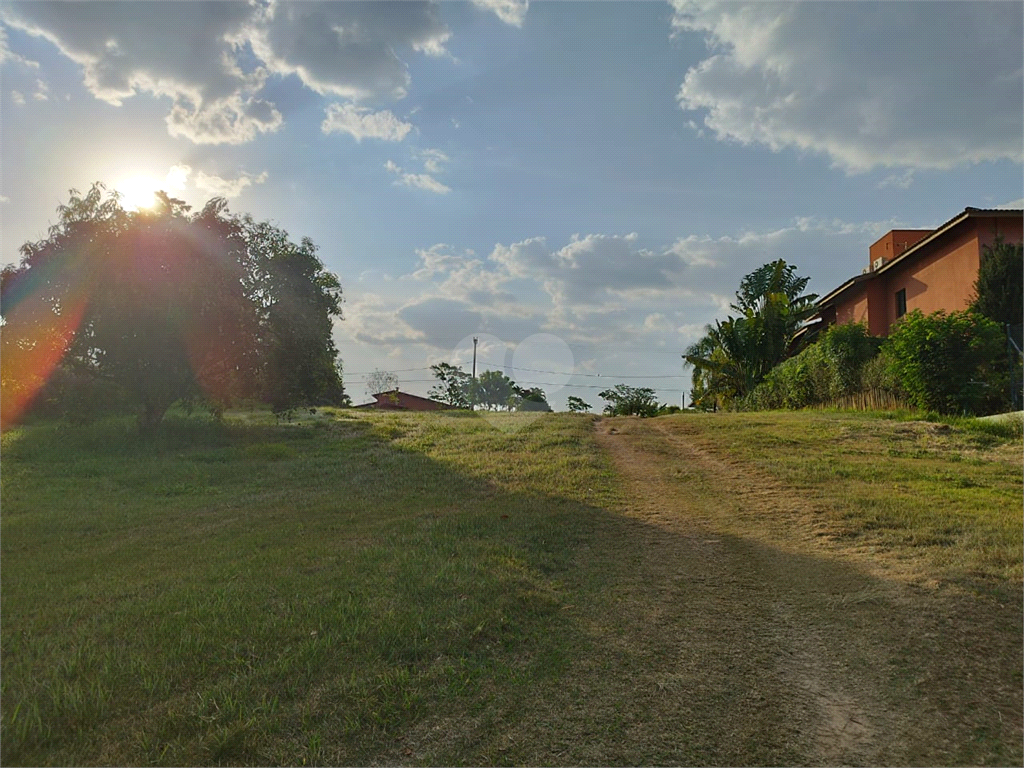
[426, 589]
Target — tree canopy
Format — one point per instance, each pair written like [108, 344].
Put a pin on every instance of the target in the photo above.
[735, 354]
[999, 289]
[169, 304]
[624, 400]
[492, 390]
[454, 385]
[531, 399]
[578, 404]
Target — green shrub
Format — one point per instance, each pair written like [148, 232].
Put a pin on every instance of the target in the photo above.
[846, 348]
[825, 371]
[950, 363]
[878, 373]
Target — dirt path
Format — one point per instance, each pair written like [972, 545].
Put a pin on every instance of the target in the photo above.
[781, 653]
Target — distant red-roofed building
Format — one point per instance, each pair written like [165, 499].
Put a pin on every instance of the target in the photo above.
[396, 400]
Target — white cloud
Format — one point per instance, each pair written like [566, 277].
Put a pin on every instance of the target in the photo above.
[362, 123]
[436, 260]
[441, 322]
[432, 160]
[418, 180]
[4, 199]
[861, 83]
[230, 120]
[42, 91]
[215, 186]
[18, 97]
[424, 181]
[126, 48]
[197, 54]
[589, 269]
[509, 11]
[176, 178]
[898, 180]
[1012, 205]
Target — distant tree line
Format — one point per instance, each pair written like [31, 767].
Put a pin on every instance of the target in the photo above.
[143, 309]
[491, 390]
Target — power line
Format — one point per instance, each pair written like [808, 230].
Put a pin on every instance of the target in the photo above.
[545, 384]
[396, 370]
[531, 370]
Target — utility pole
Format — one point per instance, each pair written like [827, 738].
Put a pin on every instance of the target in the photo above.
[474, 357]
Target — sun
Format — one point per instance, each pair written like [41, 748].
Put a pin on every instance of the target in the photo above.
[137, 192]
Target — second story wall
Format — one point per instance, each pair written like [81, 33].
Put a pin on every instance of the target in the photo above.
[943, 277]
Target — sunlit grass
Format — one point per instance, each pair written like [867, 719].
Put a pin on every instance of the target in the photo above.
[948, 490]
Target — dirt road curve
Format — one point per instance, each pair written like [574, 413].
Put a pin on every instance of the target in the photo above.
[780, 649]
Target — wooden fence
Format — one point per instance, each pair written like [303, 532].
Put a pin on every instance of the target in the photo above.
[867, 400]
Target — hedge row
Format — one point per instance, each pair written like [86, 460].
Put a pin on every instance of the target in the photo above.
[950, 363]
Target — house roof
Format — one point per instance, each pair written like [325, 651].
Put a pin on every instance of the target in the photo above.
[407, 395]
[921, 245]
[834, 294]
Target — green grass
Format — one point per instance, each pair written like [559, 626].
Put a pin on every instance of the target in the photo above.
[280, 594]
[400, 588]
[948, 491]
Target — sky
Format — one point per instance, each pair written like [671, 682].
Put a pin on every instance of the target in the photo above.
[581, 186]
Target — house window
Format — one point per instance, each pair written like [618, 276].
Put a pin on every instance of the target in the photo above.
[901, 302]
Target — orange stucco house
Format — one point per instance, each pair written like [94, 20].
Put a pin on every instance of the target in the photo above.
[925, 269]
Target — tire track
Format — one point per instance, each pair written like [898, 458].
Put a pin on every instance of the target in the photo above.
[802, 650]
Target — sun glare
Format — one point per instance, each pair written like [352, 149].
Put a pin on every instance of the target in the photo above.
[138, 192]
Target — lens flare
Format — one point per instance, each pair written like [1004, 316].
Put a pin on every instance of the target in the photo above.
[137, 192]
[35, 340]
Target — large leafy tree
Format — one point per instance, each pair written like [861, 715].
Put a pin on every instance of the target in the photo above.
[297, 301]
[494, 391]
[454, 385]
[168, 304]
[736, 354]
[531, 399]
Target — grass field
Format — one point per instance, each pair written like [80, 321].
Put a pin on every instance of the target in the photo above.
[428, 589]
